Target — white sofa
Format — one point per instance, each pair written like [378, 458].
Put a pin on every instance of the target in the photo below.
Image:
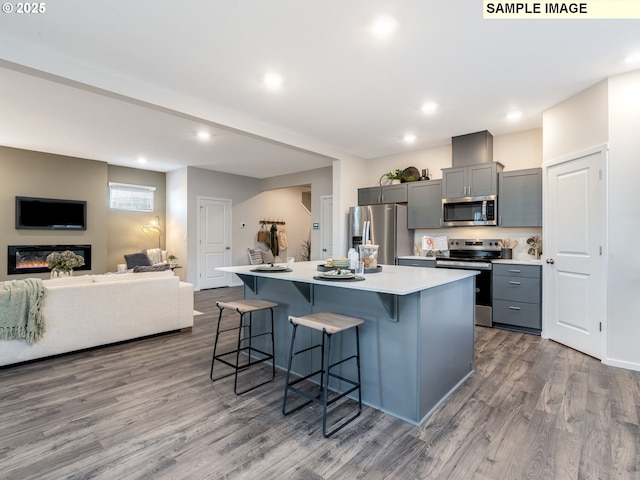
[91, 310]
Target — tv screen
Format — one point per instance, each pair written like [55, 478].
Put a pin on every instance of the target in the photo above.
[50, 214]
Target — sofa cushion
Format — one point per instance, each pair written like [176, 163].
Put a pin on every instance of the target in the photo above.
[135, 259]
[118, 277]
[71, 280]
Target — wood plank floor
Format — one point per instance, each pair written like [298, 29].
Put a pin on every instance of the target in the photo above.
[147, 410]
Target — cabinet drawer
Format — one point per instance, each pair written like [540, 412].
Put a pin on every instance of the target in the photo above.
[517, 314]
[517, 289]
[516, 270]
[408, 262]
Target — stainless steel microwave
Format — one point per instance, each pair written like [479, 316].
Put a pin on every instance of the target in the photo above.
[470, 211]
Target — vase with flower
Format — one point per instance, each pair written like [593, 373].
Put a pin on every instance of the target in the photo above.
[63, 263]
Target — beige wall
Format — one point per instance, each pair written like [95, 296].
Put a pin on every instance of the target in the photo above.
[515, 151]
[124, 228]
[623, 302]
[28, 173]
[110, 233]
[576, 124]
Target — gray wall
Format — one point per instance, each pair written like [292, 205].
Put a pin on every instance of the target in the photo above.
[249, 205]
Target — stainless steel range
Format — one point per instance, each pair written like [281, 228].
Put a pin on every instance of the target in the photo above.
[475, 254]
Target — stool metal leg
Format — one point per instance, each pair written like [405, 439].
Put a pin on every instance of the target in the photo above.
[243, 344]
[286, 378]
[325, 374]
[215, 343]
[325, 385]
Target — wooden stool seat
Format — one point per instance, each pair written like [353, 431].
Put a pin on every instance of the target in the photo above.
[245, 345]
[248, 305]
[329, 324]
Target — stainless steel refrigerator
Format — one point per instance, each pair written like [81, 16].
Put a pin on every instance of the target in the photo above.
[386, 227]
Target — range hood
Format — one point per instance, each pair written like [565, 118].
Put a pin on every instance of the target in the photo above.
[472, 149]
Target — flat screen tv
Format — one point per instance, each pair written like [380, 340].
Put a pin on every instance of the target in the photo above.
[50, 214]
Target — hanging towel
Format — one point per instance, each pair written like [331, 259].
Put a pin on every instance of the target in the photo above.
[20, 315]
[282, 239]
[274, 240]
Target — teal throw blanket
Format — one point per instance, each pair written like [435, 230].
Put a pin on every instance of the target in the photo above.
[20, 315]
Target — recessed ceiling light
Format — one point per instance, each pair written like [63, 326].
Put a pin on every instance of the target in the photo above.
[632, 58]
[142, 160]
[514, 116]
[202, 135]
[429, 107]
[272, 81]
[383, 26]
[409, 138]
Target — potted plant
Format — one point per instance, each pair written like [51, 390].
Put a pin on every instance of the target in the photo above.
[172, 259]
[396, 176]
[63, 263]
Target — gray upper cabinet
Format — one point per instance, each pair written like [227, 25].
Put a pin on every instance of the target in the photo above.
[386, 194]
[520, 199]
[424, 208]
[472, 181]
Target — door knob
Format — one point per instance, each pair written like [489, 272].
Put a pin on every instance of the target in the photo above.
[227, 248]
[551, 261]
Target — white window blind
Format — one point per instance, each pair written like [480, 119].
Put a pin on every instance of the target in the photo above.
[123, 196]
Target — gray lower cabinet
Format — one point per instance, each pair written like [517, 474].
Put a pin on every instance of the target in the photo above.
[517, 297]
[417, 262]
[424, 207]
[520, 198]
[384, 194]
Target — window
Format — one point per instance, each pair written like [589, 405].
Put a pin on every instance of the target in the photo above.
[138, 198]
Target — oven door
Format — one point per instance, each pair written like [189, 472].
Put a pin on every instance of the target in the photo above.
[469, 211]
[484, 312]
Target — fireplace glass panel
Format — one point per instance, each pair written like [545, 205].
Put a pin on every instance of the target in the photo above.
[33, 258]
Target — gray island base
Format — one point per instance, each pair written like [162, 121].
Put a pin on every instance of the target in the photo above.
[417, 342]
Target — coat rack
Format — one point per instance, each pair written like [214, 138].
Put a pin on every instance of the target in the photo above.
[271, 222]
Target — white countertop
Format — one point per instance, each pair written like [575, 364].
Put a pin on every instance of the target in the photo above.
[524, 261]
[393, 279]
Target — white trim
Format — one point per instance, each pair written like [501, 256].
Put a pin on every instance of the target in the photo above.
[132, 186]
[621, 364]
[576, 155]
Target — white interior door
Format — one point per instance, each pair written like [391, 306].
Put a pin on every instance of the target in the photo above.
[574, 246]
[214, 242]
[326, 227]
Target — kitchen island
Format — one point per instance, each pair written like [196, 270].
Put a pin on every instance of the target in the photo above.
[417, 342]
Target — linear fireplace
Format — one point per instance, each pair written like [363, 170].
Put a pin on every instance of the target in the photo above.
[33, 258]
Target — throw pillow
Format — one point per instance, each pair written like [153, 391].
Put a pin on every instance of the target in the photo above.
[267, 256]
[151, 268]
[137, 259]
[155, 255]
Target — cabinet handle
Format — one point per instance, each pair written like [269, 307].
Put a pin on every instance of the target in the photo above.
[514, 308]
[514, 283]
[514, 271]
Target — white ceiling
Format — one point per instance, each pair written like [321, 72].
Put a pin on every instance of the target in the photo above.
[113, 80]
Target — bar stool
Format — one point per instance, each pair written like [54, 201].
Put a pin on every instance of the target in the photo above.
[244, 343]
[329, 324]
